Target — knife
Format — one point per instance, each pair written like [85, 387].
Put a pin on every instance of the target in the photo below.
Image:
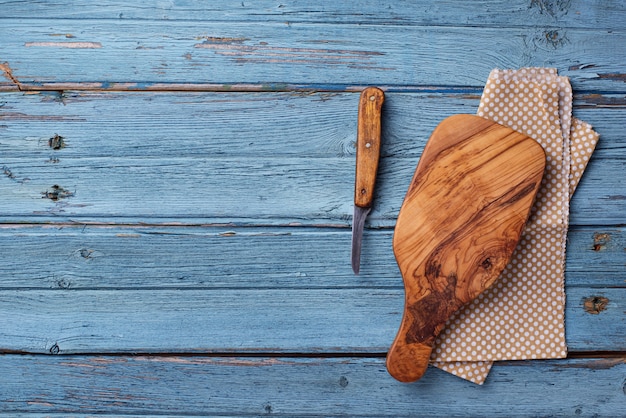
[367, 155]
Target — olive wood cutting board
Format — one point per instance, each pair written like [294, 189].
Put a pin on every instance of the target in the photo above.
[460, 221]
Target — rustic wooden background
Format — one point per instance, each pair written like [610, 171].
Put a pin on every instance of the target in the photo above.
[176, 198]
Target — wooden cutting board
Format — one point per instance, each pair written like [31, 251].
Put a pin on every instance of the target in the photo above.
[461, 219]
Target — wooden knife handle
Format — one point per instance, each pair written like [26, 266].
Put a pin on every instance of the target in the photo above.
[367, 145]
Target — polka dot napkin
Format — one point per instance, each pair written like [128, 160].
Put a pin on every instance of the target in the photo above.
[522, 315]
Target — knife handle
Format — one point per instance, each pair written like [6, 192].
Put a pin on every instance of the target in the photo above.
[367, 145]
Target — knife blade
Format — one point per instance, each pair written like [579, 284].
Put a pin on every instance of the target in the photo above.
[367, 156]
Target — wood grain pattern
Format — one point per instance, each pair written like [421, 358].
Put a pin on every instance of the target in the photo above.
[160, 55]
[368, 144]
[133, 386]
[566, 13]
[178, 148]
[460, 221]
[203, 203]
[82, 257]
[276, 320]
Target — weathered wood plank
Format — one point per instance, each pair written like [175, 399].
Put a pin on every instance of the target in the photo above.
[119, 257]
[141, 54]
[576, 13]
[127, 124]
[250, 320]
[302, 387]
[164, 156]
[92, 189]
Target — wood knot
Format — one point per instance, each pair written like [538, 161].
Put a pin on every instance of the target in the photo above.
[554, 8]
[486, 264]
[595, 304]
[8, 173]
[63, 284]
[56, 142]
[55, 349]
[57, 193]
[600, 241]
[553, 38]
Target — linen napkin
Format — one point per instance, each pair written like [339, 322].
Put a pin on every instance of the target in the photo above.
[522, 315]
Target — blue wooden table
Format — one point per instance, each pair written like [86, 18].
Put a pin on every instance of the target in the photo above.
[176, 198]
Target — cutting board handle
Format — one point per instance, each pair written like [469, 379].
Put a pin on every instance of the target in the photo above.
[408, 363]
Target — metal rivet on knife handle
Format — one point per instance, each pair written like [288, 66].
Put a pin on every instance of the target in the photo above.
[368, 145]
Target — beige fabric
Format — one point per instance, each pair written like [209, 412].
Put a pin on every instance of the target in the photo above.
[522, 315]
